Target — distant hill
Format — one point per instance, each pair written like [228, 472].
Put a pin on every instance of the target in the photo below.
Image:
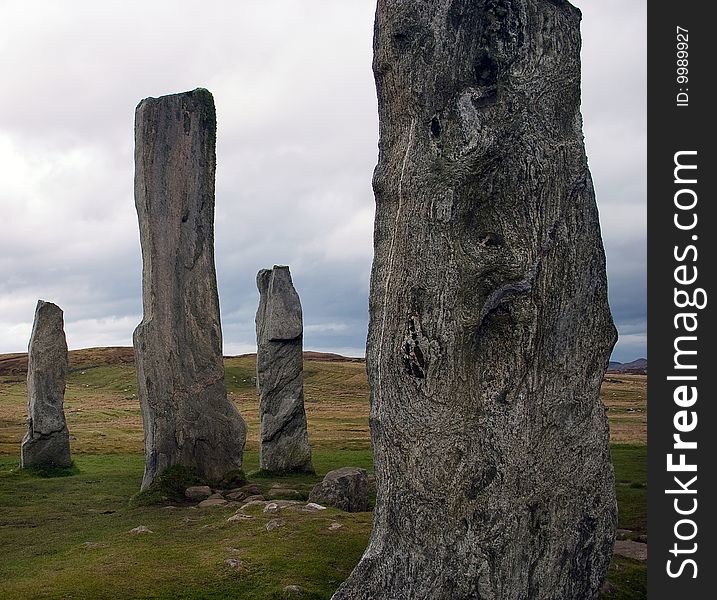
[638, 367]
[87, 358]
[16, 364]
[320, 357]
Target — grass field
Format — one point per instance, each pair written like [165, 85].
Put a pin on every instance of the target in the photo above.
[68, 537]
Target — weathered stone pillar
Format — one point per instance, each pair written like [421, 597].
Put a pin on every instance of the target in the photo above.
[187, 416]
[284, 440]
[47, 441]
[489, 329]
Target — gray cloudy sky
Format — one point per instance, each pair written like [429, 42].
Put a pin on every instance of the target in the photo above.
[297, 132]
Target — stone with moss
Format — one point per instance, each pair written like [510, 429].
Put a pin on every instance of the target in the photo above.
[188, 418]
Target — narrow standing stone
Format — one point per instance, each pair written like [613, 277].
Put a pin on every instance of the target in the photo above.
[284, 440]
[47, 441]
[489, 328]
[188, 419]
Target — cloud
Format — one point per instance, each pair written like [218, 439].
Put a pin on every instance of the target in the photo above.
[297, 134]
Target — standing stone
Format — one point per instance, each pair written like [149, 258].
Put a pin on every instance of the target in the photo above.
[489, 328]
[47, 441]
[284, 440]
[188, 419]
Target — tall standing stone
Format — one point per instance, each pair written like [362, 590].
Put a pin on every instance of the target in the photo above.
[284, 440]
[489, 328]
[188, 419]
[47, 441]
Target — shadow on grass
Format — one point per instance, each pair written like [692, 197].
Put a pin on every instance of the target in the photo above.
[44, 471]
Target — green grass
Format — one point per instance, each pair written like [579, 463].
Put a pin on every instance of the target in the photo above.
[627, 578]
[67, 537]
[630, 462]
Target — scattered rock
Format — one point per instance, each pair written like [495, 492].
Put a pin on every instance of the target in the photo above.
[287, 503]
[198, 492]
[140, 529]
[334, 526]
[292, 590]
[631, 549]
[47, 441]
[272, 507]
[239, 517]
[188, 418]
[252, 503]
[255, 498]
[284, 440]
[234, 563]
[212, 502]
[274, 523]
[345, 488]
[236, 496]
[94, 545]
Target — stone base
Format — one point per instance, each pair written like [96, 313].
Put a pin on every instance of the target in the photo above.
[46, 450]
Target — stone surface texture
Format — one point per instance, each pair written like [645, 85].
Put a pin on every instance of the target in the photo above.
[345, 488]
[47, 441]
[187, 416]
[489, 328]
[284, 440]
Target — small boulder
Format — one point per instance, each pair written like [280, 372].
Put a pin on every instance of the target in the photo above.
[292, 591]
[334, 526]
[251, 503]
[286, 503]
[239, 517]
[212, 502]
[255, 498]
[197, 492]
[234, 563]
[274, 523]
[272, 507]
[94, 545]
[139, 530]
[345, 488]
[312, 507]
